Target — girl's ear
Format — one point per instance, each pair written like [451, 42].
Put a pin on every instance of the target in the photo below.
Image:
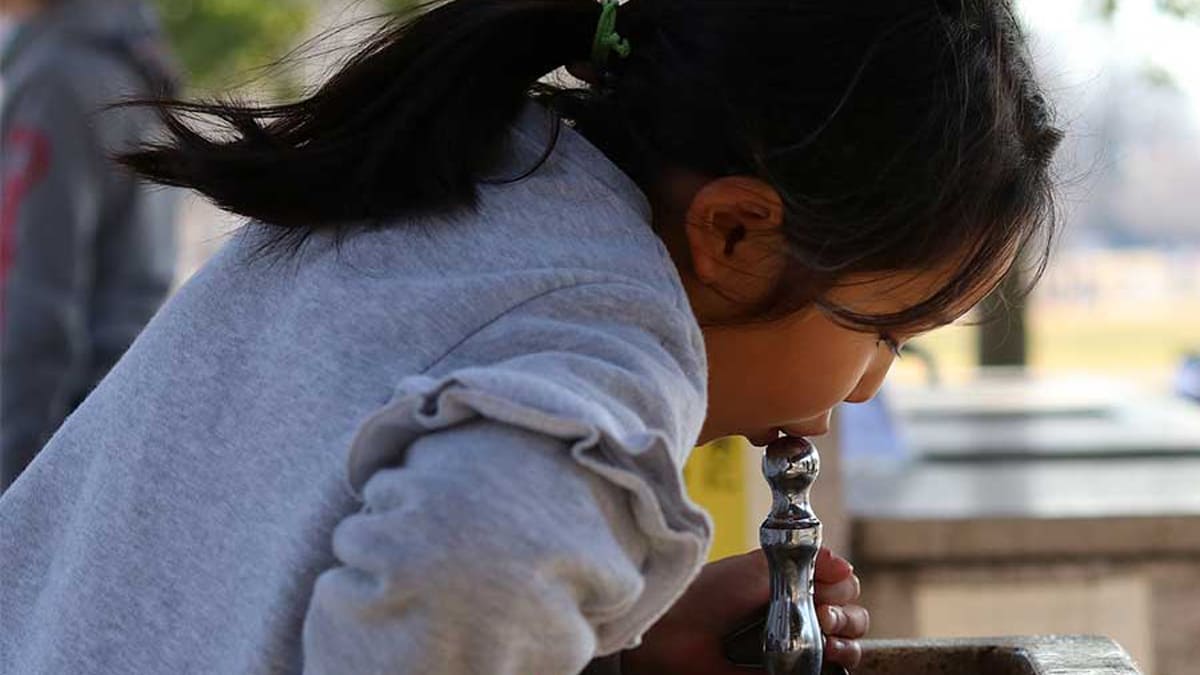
[734, 233]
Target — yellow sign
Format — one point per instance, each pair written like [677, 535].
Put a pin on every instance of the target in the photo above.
[715, 476]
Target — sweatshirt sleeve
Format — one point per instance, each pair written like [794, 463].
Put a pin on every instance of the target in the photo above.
[523, 508]
[489, 552]
[50, 195]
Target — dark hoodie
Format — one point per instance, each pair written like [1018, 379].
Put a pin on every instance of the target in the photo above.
[86, 253]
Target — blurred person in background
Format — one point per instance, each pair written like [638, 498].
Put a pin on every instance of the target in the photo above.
[87, 253]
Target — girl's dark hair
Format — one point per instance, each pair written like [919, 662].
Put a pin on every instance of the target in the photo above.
[900, 134]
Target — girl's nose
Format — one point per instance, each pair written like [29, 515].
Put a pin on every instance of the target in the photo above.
[873, 379]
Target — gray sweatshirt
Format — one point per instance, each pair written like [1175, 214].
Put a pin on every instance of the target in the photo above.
[449, 446]
[86, 253]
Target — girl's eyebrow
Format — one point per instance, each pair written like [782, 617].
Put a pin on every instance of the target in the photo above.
[907, 331]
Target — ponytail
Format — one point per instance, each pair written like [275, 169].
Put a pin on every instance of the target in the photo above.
[407, 124]
[899, 135]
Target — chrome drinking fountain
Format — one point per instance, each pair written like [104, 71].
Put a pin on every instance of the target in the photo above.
[788, 640]
[791, 538]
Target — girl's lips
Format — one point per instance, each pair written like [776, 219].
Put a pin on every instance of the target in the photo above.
[764, 438]
[761, 440]
[813, 430]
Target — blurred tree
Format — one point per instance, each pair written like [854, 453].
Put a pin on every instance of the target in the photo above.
[1004, 341]
[222, 41]
[399, 5]
[1106, 9]
[1181, 9]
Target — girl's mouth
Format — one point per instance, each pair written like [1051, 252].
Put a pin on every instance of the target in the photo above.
[765, 438]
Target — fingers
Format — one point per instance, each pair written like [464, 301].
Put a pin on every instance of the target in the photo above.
[850, 621]
[844, 626]
[831, 568]
[846, 653]
[840, 593]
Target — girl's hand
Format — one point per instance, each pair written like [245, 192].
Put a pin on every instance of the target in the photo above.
[687, 639]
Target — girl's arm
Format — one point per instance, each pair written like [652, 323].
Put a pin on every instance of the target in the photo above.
[489, 551]
[523, 505]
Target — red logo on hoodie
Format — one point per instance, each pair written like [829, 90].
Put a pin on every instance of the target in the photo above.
[26, 160]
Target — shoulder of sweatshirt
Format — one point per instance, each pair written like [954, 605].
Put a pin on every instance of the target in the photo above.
[577, 216]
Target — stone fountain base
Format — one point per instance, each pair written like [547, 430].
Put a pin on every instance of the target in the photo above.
[1041, 655]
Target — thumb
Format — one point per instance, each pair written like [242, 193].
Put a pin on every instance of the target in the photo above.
[730, 590]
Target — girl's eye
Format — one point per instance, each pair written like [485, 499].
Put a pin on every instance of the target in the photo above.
[892, 344]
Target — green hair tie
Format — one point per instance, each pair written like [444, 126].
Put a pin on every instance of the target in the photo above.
[606, 37]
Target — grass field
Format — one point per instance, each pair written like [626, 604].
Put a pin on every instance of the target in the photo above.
[1143, 344]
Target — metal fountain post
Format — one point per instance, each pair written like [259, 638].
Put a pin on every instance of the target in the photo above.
[791, 538]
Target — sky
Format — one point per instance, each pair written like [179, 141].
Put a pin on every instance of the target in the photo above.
[1140, 36]
[1131, 160]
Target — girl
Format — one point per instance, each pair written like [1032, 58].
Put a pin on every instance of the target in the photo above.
[427, 413]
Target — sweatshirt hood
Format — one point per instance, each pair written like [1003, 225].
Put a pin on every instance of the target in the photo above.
[129, 30]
